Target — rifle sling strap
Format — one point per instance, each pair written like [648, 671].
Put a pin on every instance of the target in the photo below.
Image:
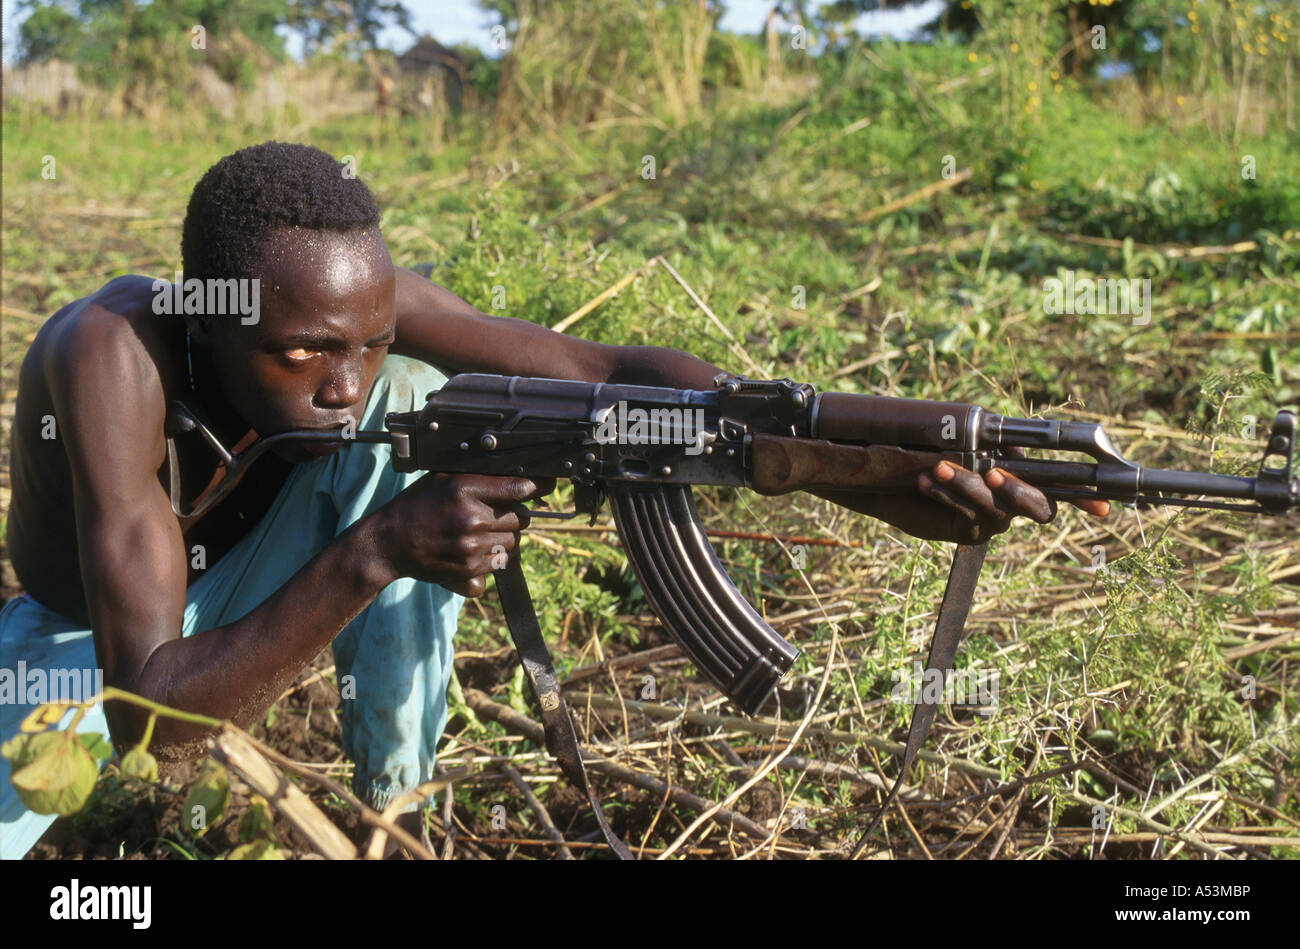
[561, 739]
[957, 597]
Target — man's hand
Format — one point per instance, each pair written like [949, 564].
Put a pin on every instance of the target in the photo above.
[453, 529]
[970, 509]
[959, 506]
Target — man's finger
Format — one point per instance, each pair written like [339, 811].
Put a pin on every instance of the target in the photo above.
[544, 487]
[1097, 507]
[1094, 506]
[475, 586]
[1024, 498]
[491, 488]
[944, 496]
[971, 486]
[511, 517]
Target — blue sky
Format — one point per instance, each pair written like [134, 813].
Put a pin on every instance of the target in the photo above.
[462, 21]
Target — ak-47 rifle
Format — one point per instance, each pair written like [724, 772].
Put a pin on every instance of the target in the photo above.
[642, 447]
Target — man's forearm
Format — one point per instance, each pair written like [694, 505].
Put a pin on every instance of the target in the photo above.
[435, 325]
[659, 366]
[237, 671]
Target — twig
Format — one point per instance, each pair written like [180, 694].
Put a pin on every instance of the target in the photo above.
[601, 845]
[448, 826]
[483, 704]
[547, 824]
[1165, 830]
[601, 297]
[368, 814]
[234, 749]
[1167, 250]
[889, 207]
[767, 730]
[632, 661]
[1246, 752]
[1010, 825]
[298, 686]
[704, 307]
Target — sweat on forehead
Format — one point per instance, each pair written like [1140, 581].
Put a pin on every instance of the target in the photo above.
[332, 261]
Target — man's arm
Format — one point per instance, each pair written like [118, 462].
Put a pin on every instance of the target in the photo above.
[438, 327]
[132, 555]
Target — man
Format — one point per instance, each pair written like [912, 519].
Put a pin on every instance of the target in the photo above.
[318, 545]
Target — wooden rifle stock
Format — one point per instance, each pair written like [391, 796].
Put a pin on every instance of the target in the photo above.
[782, 465]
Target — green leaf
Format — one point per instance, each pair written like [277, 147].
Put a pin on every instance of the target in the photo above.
[1269, 363]
[258, 822]
[59, 778]
[1093, 784]
[96, 744]
[1250, 319]
[138, 763]
[22, 749]
[207, 799]
[949, 339]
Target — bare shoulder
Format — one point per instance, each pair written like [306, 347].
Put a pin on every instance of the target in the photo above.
[111, 331]
[105, 360]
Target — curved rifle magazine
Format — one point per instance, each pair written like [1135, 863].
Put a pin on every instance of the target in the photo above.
[692, 595]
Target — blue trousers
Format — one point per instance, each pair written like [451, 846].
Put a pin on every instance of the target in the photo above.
[397, 652]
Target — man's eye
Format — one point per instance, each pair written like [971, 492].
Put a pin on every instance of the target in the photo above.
[299, 354]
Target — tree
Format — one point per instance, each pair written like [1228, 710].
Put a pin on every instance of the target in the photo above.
[48, 29]
[355, 26]
[126, 43]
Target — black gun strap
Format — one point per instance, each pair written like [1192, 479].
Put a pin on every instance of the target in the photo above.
[957, 597]
[561, 739]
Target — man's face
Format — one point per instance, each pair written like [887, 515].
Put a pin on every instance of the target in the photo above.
[327, 319]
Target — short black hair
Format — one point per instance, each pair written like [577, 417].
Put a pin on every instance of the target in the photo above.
[243, 197]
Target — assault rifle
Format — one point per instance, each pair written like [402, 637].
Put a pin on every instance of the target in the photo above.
[642, 447]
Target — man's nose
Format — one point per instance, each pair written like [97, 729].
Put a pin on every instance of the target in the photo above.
[342, 388]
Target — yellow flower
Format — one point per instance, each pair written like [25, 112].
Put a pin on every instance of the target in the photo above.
[1179, 99]
[972, 57]
[1247, 47]
[1191, 15]
[1057, 87]
[1032, 85]
[1055, 75]
[1015, 47]
[1194, 29]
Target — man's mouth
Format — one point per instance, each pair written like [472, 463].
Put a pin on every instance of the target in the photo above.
[319, 447]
